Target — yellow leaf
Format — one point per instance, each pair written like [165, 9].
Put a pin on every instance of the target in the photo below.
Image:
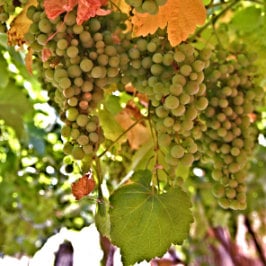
[180, 16]
[20, 25]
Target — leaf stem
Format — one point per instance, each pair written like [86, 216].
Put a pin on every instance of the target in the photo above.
[120, 136]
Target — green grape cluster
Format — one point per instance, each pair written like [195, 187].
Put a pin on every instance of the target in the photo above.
[146, 6]
[230, 136]
[78, 62]
[172, 78]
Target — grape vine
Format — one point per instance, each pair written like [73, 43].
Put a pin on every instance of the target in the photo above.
[199, 100]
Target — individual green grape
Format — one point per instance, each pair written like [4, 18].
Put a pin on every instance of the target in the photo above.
[82, 120]
[74, 133]
[150, 7]
[72, 114]
[64, 83]
[45, 25]
[74, 71]
[224, 203]
[86, 65]
[185, 70]
[164, 140]
[98, 72]
[171, 102]
[161, 112]
[177, 151]
[66, 131]
[94, 137]
[67, 148]
[77, 153]
[201, 103]
[72, 51]
[83, 140]
[134, 3]
[218, 190]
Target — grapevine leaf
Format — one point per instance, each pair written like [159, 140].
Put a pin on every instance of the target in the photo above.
[13, 106]
[143, 223]
[20, 25]
[180, 17]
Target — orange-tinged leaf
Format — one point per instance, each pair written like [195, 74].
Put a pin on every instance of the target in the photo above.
[181, 18]
[20, 25]
[83, 186]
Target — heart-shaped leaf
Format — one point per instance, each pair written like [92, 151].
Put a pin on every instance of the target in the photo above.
[144, 223]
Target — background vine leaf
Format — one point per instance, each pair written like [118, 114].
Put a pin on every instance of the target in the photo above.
[143, 223]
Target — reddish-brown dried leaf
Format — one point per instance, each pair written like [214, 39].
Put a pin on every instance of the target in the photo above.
[90, 8]
[83, 186]
[54, 8]
[86, 8]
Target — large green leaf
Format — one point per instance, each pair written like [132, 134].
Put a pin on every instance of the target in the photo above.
[13, 106]
[144, 223]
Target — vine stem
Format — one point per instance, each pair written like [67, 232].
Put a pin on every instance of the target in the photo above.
[120, 136]
[156, 148]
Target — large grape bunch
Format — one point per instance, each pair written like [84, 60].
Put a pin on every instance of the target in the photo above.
[172, 78]
[230, 136]
[78, 62]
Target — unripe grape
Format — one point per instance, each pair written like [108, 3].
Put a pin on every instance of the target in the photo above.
[177, 151]
[67, 148]
[185, 70]
[224, 203]
[98, 72]
[64, 83]
[82, 120]
[171, 102]
[94, 137]
[150, 6]
[73, 101]
[74, 133]
[72, 51]
[157, 69]
[179, 56]
[65, 131]
[71, 114]
[218, 190]
[230, 193]
[45, 25]
[187, 159]
[164, 140]
[83, 140]
[77, 153]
